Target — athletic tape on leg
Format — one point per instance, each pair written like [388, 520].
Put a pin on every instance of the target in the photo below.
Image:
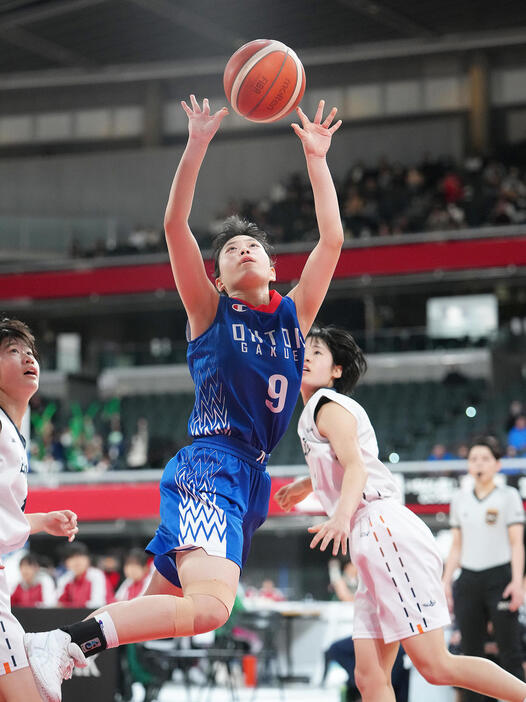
[184, 616]
[213, 588]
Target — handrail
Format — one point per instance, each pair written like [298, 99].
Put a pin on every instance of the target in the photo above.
[489, 232]
[146, 475]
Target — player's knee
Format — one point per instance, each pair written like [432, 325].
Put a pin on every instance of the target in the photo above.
[370, 680]
[210, 613]
[206, 606]
[435, 672]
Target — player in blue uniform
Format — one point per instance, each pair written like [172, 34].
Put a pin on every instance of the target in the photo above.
[246, 357]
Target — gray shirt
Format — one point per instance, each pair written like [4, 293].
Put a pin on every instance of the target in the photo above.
[484, 525]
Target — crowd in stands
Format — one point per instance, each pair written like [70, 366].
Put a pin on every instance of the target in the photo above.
[513, 434]
[77, 582]
[391, 198]
[93, 439]
[86, 439]
[85, 580]
[382, 200]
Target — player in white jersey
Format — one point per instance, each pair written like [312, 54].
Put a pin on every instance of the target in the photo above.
[19, 373]
[400, 597]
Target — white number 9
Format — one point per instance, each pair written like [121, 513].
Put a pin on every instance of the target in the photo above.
[277, 390]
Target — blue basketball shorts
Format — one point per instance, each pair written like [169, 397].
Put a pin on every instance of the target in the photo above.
[214, 495]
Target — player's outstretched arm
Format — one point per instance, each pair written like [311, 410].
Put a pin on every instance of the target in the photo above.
[316, 138]
[198, 294]
[289, 495]
[58, 523]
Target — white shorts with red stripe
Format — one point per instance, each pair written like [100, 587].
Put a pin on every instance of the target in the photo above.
[12, 652]
[400, 592]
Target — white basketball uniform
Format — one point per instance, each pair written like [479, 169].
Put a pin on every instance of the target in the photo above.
[400, 592]
[14, 531]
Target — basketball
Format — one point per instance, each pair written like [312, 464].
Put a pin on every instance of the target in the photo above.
[264, 80]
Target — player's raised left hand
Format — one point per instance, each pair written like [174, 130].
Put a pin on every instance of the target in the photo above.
[335, 529]
[202, 124]
[316, 135]
[61, 523]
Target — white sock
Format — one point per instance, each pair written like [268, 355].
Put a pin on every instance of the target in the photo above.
[108, 629]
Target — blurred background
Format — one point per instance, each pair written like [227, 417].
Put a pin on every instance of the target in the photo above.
[430, 168]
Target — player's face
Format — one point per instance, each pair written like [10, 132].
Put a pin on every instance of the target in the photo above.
[243, 264]
[19, 370]
[319, 370]
[482, 464]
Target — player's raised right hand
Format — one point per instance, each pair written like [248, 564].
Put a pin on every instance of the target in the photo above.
[202, 125]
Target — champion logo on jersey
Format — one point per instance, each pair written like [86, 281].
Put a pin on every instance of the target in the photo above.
[239, 308]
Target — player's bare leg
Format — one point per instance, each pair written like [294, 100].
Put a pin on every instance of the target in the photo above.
[19, 685]
[374, 664]
[209, 584]
[159, 585]
[156, 616]
[439, 667]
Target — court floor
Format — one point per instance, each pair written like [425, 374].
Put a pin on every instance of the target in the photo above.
[302, 693]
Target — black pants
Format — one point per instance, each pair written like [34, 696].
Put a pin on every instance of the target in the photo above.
[478, 600]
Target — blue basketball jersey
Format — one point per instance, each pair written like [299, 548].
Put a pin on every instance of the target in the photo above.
[247, 369]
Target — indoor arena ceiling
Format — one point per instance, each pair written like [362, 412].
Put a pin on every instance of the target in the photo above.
[109, 39]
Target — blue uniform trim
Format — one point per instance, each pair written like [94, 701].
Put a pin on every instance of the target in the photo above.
[229, 444]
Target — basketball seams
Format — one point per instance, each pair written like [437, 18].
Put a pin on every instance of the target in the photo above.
[294, 96]
[269, 89]
[249, 65]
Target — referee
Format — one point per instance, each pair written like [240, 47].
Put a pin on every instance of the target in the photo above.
[487, 529]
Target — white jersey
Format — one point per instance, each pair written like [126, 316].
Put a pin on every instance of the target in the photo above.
[399, 568]
[325, 471]
[14, 527]
[484, 525]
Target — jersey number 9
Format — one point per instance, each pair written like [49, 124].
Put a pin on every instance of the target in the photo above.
[277, 392]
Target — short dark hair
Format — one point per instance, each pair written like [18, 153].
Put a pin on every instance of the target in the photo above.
[345, 353]
[77, 548]
[29, 559]
[15, 330]
[237, 226]
[490, 442]
[137, 555]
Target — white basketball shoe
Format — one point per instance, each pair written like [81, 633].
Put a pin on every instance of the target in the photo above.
[52, 657]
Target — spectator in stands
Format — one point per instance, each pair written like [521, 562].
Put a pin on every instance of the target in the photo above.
[138, 452]
[82, 585]
[110, 564]
[137, 574]
[454, 376]
[269, 591]
[516, 408]
[462, 451]
[344, 583]
[36, 587]
[116, 442]
[517, 435]
[439, 453]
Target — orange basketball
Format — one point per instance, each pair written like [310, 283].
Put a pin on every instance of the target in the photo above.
[264, 80]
